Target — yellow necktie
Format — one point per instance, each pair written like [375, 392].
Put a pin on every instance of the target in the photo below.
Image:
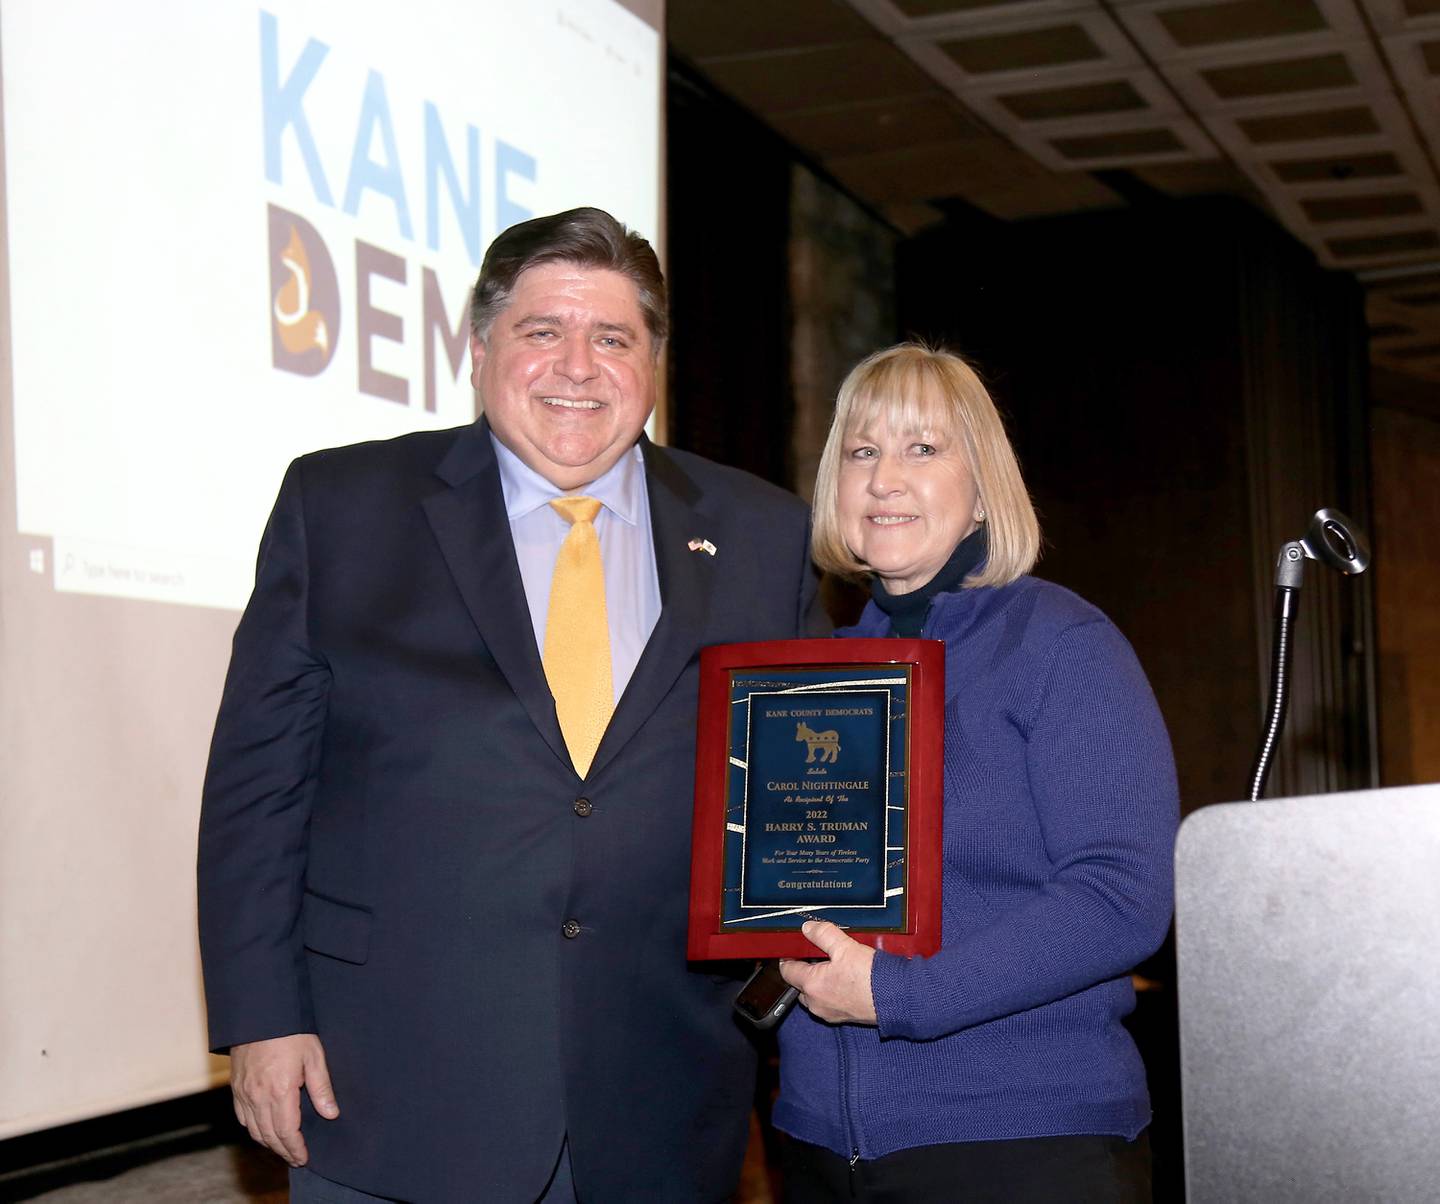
[577, 635]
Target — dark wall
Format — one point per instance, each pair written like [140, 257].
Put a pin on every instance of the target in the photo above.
[1406, 458]
[1158, 368]
[728, 229]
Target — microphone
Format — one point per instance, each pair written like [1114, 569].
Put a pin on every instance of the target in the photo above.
[1332, 539]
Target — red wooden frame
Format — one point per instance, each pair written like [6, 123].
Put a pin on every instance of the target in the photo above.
[925, 785]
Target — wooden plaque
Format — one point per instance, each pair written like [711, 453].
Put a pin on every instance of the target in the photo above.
[819, 783]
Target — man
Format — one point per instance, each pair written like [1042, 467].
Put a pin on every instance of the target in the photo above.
[444, 850]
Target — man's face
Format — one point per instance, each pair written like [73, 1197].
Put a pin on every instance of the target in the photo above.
[566, 375]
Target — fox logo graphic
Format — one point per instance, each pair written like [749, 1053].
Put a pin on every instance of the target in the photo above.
[304, 296]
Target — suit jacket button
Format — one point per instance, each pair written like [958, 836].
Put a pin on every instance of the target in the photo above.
[583, 807]
[570, 929]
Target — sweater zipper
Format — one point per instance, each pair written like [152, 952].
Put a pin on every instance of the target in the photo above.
[845, 1094]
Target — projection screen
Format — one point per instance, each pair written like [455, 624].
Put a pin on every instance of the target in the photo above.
[232, 234]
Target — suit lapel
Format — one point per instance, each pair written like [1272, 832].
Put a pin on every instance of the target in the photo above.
[678, 514]
[474, 536]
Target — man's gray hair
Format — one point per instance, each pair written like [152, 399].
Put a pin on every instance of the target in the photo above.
[589, 238]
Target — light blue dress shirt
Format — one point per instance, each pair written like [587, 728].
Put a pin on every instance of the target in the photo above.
[627, 548]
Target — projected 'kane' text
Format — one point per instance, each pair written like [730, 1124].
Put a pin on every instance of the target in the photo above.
[338, 289]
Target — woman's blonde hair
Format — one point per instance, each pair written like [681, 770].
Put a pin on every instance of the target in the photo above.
[914, 388]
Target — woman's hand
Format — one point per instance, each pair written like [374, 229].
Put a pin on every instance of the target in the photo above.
[838, 990]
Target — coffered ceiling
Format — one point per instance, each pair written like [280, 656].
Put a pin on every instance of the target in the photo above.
[1324, 112]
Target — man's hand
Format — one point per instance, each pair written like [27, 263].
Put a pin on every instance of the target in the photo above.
[266, 1077]
[838, 990]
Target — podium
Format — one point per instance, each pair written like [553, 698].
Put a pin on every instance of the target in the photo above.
[1308, 952]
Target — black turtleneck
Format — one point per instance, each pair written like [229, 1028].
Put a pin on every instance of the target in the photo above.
[907, 611]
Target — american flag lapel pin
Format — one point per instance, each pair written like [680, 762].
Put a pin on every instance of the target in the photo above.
[702, 545]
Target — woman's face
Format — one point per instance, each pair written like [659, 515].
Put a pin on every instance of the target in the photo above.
[906, 500]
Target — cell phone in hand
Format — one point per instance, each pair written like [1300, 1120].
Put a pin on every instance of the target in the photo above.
[766, 998]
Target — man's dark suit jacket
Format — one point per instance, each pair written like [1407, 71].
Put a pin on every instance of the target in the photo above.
[393, 838]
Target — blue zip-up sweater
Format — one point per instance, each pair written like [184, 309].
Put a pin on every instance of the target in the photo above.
[1060, 816]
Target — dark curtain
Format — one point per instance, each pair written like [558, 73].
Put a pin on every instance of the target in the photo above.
[1184, 387]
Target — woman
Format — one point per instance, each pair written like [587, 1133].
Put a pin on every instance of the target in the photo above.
[998, 1068]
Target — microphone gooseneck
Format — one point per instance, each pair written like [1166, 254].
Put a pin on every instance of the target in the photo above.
[1333, 540]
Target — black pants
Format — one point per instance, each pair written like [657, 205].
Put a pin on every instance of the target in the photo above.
[1031, 1170]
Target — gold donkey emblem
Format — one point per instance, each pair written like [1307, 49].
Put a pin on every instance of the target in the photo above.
[827, 744]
